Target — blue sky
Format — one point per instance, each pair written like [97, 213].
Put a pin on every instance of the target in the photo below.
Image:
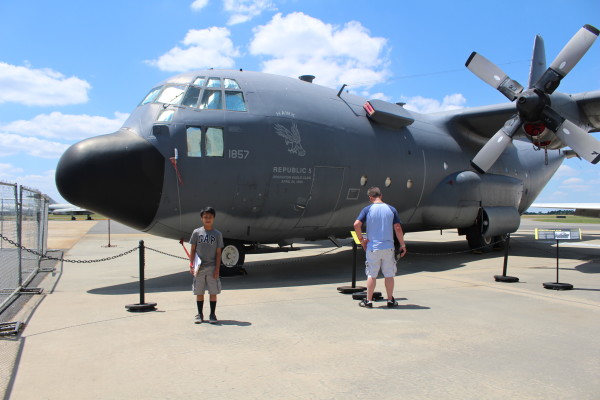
[72, 69]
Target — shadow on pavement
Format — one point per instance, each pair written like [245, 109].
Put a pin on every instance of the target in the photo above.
[337, 268]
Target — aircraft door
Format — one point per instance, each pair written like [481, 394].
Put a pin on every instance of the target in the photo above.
[323, 198]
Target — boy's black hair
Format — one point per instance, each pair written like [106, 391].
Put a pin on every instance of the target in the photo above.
[209, 210]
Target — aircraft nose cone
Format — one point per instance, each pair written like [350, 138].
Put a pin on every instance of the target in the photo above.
[119, 175]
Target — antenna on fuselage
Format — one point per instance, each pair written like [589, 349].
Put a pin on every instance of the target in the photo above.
[341, 90]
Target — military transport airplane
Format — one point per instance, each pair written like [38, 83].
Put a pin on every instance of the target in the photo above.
[284, 159]
[67, 209]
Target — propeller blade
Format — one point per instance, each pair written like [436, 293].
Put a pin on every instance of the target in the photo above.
[568, 57]
[584, 144]
[489, 153]
[538, 61]
[491, 74]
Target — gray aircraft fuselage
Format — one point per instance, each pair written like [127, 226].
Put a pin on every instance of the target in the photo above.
[294, 161]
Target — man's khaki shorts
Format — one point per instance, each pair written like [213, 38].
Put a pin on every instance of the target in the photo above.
[205, 280]
[381, 259]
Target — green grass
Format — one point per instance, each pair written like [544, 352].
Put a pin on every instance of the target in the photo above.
[570, 219]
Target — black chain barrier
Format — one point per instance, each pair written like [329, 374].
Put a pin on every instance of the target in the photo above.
[294, 260]
[66, 259]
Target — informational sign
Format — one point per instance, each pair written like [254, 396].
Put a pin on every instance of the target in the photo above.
[558, 234]
[355, 237]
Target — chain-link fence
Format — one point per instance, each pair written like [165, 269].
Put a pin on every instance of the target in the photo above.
[24, 221]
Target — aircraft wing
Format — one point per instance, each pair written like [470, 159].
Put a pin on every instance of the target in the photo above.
[589, 104]
[481, 123]
[581, 209]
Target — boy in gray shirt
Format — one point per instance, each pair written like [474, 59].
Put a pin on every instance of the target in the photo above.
[207, 244]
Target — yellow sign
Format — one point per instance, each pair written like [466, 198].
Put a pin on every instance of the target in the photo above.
[355, 237]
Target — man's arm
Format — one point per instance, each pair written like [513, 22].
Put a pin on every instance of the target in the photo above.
[400, 236]
[358, 229]
[218, 263]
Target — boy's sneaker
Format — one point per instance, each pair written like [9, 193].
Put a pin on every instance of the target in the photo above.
[199, 319]
[365, 303]
[212, 319]
[392, 302]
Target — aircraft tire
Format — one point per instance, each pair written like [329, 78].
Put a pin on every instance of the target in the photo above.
[477, 241]
[233, 256]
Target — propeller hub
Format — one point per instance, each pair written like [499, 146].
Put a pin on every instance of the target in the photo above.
[531, 103]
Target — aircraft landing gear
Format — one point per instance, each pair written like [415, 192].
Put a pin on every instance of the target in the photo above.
[478, 242]
[233, 256]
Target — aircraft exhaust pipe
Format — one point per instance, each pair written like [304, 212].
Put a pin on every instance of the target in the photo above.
[500, 221]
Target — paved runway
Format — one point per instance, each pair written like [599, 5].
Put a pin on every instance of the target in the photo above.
[286, 332]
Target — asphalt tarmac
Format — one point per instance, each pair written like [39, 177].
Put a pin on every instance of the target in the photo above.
[285, 331]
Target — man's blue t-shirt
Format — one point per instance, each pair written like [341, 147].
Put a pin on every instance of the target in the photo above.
[380, 219]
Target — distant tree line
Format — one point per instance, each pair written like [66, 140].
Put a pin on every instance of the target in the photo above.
[555, 212]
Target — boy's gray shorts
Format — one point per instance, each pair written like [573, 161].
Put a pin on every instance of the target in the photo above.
[206, 281]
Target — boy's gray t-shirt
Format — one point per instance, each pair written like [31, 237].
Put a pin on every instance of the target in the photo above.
[207, 243]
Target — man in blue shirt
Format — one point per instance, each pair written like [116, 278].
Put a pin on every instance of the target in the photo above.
[382, 222]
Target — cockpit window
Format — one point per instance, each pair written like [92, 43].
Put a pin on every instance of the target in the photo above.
[165, 116]
[213, 83]
[151, 96]
[214, 142]
[171, 95]
[212, 145]
[191, 97]
[230, 84]
[199, 81]
[194, 141]
[234, 101]
[211, 100]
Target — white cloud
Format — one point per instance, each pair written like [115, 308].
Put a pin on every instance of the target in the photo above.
[11, 144]
[425, 105]
[375, 96]
[40, 87]
[198, 5]
[64, 126]
[298, 44]
[203, 48]
[43, 182]
[573, 181]
[244, 10]
[8, 172]
[565, 170]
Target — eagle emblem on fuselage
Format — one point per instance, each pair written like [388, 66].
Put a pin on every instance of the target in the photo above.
[292, 138]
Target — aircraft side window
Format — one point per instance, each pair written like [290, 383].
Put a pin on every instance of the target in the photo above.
[191, 97]
[213, 83]
[165, 116]
[194, 141]
[199, 81]
[230, 84]
[234, 101]
[214, 142]
[171, 95]
[151, 96]
[211, 100]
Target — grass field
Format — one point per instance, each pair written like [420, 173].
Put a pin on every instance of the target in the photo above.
[569, 219]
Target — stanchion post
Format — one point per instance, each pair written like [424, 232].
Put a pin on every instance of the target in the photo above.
[504, 277]
[353, 288]
[354, 253]
[142, 306]
[142, 254]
